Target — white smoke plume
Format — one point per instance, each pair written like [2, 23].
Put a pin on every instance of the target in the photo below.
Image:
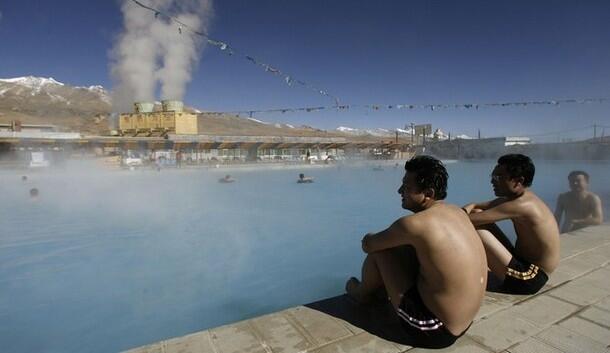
[153, 49]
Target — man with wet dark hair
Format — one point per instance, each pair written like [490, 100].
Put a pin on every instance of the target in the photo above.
[582, 208]
[524, 267]
[431, 264]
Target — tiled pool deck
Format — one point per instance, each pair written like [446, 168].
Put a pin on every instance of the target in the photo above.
[571, 314]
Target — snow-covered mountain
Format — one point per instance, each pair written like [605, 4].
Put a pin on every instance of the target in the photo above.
[46, 100]
[33, 86]
[373, 132]
[464, 137]
[438, 134]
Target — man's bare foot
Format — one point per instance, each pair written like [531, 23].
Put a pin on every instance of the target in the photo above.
[352, 287]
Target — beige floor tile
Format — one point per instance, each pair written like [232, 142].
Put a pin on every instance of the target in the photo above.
[588, 329]
[604, 304]
[502, 330]
[151, 348]
[579, 291]
[362, 343]
[321, 327]
[463, 345]
[194, 343]
[236, 338]
[596, 315]
[599, 278]
[279, 334]
[533, 345]
[560, 276]
[578, 265]
[544, 310]
[569, 341]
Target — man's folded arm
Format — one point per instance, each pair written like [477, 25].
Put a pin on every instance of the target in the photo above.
[505, 210]
[485, 205]
[396, 235]
[596, 217]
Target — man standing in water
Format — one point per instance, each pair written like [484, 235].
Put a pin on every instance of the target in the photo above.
[432, 263]
[582, 208]
[524, 267]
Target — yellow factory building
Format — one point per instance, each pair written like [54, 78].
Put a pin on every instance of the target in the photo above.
[144, 121]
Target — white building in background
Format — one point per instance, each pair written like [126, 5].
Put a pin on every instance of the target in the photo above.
[516, 140]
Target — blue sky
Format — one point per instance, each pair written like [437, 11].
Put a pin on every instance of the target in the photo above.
[364, 52]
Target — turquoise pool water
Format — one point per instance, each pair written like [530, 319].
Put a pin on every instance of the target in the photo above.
[109, 260]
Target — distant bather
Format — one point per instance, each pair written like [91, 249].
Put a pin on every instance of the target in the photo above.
[304, 180]
[227, 179]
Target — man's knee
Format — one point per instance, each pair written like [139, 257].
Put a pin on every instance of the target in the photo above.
[485, 234]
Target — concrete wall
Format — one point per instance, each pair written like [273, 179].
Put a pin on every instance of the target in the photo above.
[569, 151]
[490, 148]
[495, 147]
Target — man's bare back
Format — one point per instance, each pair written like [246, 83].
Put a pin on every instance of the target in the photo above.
[453, 272]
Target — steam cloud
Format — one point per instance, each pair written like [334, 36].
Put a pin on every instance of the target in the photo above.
[152, 50]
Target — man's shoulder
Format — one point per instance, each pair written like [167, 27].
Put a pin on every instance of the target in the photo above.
[423, 218]
[413, 223]
[409, 220]
[593, 196]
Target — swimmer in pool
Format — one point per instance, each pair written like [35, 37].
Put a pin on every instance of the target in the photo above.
[304, 180]
[581, 207]
[34, 193]
[227, 179]
[24, 178]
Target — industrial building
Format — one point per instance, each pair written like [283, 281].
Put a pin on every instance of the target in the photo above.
[170, 134]
[145, 122]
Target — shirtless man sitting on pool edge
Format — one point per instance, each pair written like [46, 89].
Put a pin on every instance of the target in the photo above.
[432, 263]
[523, 268]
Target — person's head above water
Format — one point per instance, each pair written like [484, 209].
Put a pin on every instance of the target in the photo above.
[33, 192]
[228, 176]
[425, 181]
[24, 178]
[579, 180]
[512, 175]
[301, 176]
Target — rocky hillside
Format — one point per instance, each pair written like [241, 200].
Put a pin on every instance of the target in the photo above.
[39, 100]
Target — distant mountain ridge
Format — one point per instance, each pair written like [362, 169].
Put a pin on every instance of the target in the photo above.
[43, 100]
[380, 132]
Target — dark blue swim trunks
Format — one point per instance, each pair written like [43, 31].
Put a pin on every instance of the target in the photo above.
[421, 324]
[523, 277]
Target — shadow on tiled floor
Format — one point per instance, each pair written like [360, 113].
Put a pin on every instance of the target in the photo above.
[379, 319]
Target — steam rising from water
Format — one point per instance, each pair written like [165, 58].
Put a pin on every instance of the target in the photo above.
[152, 49]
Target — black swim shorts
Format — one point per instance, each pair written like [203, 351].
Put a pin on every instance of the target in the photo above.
[421, 324]
[523, 277]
